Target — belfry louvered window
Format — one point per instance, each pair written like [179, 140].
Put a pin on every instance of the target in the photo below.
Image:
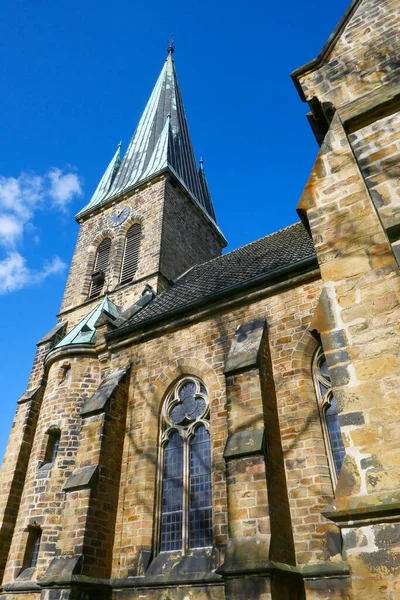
[329, 414]
[100, 267]
[131, 253]
[185, 507]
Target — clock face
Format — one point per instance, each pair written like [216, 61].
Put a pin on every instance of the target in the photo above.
[120, 215]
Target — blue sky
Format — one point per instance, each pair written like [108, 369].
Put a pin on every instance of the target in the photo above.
[75, 77]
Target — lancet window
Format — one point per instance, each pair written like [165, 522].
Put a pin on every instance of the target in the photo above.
[329, 414]
[100, 267]
[185, 501]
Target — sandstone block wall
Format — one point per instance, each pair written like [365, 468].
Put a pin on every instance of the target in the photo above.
[43, 499]
[360, 304]
[364, 58]
[201, 350]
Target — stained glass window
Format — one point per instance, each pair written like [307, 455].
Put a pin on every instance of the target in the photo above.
[172, 496]
[329, 414]
[200, 518]
[185, 455]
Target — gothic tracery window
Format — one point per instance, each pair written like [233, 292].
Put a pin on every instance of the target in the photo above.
[185, 509]
[329, 414]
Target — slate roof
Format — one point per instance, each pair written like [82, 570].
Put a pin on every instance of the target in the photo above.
[285, 248]
[160, 141]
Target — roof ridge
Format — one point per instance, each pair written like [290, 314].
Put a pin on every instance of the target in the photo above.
[287, 250]
[244, 246]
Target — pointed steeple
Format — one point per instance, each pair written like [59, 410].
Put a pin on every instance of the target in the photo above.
[160, 141]
[106, 181]
[206, 190]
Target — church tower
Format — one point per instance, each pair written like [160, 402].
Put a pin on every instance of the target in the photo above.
[151, 217]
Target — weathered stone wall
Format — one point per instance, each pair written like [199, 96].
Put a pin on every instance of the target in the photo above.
[182, 592]
[201, 350]
[13, 472]
[377, 150]
[16, 457]
[360, 308]
[43, 499]
[364, 58]
[187, 238]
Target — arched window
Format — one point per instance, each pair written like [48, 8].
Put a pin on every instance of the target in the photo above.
[185, 507]
[131, 253]
[329, 414]
[100, 267]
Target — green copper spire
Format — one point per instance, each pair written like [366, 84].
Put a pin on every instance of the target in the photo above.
[161, 141]
[106, 181]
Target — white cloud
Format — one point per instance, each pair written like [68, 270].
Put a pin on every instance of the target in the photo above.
[15, 274]
[63, 187]
[56, 265]
[11, 229]
[20, 199]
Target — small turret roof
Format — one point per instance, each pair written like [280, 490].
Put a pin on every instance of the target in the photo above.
[85, 332]
[160, 141]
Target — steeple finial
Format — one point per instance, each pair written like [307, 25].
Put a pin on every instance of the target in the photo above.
[171, 45]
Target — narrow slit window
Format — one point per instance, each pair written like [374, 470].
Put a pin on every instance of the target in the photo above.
[53, 444]
[131, 253]
[329, 414]
[185, 499]
[32, 549]
[100, 268]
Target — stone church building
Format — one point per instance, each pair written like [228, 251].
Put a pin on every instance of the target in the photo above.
[200, 426]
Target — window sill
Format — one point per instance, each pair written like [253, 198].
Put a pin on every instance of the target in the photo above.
[23, 582]
[198, 563]
[168, 580]
[43, 469]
